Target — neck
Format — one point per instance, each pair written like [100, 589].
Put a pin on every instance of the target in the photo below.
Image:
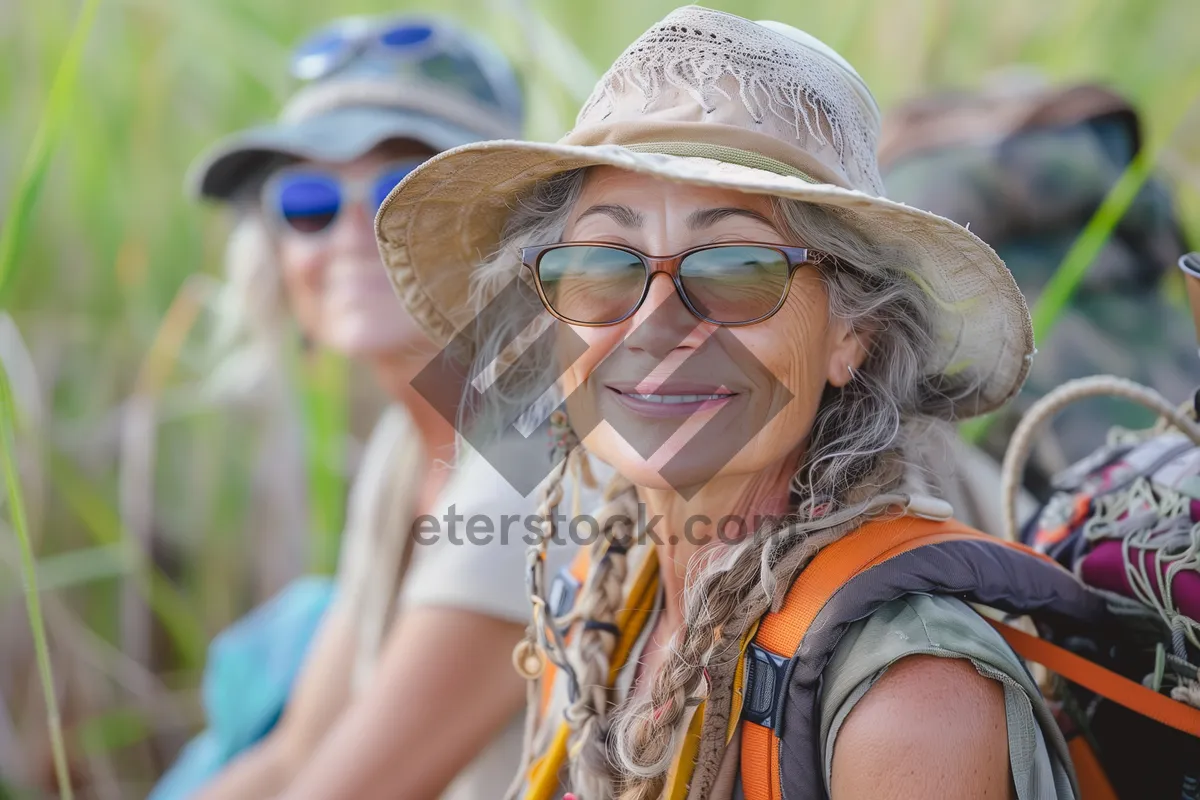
[395, 372]
[724, 510]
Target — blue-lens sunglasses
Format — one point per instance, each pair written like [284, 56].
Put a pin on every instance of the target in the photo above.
[307, 200]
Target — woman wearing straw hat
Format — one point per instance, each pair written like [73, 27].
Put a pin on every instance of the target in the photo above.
[393, 659]
[759, 343]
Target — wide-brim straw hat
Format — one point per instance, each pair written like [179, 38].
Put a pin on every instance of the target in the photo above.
[711, 99]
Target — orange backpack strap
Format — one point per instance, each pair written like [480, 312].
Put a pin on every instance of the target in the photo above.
[1103, 682]
[847, 581]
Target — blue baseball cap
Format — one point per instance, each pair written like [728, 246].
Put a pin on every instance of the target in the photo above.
[367, 80]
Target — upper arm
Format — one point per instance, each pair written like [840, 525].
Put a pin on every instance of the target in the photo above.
[930, 728]
[443, 689]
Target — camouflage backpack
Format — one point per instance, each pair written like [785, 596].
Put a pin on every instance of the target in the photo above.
[1025, 166]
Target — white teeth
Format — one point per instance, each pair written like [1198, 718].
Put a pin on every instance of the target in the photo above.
[676, 398]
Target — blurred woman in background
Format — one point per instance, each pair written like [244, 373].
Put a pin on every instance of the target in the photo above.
[393, 660]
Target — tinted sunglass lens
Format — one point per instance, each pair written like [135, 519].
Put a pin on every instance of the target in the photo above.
[308, 203]
[388, 180]
[591, 284]
[404, 36]
[736, 283]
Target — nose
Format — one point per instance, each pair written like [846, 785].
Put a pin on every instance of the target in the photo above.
[664, 324]
[353, 232]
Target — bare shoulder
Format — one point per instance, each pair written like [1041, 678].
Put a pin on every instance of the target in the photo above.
[929, 728]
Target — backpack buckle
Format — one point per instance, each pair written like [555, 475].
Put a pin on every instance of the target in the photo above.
[927, 507]
[563, 591]
[763, 686]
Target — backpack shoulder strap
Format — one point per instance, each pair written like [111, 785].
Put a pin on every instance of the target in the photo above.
[769, 662]
[793, 645]
[1106, 683]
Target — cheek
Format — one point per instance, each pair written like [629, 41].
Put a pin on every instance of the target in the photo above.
[791, 350]
[580, 350]
[301, 265]
[794, 344]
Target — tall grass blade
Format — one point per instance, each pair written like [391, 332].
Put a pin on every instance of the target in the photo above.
[33, 603]
[12, 238]
[37, 162]
[324, 377]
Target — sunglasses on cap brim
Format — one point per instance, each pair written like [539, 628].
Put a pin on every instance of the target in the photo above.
[415, 49]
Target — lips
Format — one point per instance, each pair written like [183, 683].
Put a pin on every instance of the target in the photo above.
[670, 400]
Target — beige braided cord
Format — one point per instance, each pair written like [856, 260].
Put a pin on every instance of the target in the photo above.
[1021, 444]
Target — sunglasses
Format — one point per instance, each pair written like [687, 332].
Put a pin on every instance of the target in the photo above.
[307, 200]
[409, 49]
[595, 284]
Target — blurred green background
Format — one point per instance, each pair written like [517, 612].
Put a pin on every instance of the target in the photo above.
[126, 437]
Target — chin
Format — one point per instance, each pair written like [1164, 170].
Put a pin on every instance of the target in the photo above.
[664, 470]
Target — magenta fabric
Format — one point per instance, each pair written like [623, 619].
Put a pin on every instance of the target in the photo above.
[1104, 568]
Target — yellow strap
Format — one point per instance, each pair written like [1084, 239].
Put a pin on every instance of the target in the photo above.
[544, 773]
[739, 680]
[680, 777]
[632, 618]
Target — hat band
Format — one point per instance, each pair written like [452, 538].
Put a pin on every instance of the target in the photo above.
[718, 141]
[322, 98]
[726, 155]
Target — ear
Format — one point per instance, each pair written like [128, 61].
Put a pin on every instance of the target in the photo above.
[848, 352]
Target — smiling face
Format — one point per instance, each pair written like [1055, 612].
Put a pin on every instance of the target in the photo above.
[676, 400]
[334, 281]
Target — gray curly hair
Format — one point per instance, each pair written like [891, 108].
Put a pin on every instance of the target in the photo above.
[858, 451]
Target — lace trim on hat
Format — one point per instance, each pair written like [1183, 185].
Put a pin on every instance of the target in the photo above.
[694, 49]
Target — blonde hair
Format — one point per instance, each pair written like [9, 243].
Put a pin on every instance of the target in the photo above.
[252, 334]
[855, 462]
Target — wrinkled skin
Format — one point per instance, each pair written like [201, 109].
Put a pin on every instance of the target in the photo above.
[931, 727]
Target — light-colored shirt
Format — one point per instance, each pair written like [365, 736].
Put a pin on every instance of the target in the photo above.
[469, 553]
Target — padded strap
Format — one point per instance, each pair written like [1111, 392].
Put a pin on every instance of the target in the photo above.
[1103, 682]
[782, 631]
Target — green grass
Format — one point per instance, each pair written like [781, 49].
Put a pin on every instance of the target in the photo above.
[324, 392]
[37, 624]
[26, 190]
[97, 239]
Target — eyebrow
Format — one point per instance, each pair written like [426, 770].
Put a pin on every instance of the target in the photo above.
[624, 216]
[707, 217]
[627, 217]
